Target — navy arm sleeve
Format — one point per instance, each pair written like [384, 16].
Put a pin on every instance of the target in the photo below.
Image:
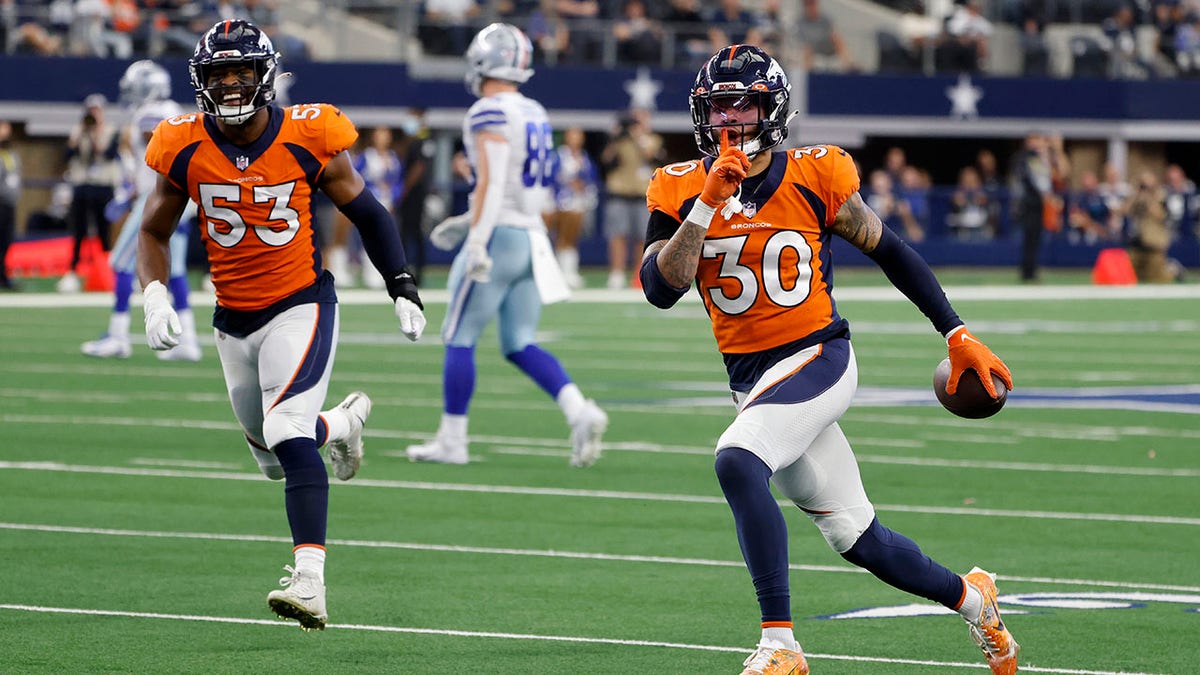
[911, 275]
[381, 241]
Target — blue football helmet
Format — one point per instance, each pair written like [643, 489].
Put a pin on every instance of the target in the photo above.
[499, 52]
[740, 76]
[144, 81]
[233, 42]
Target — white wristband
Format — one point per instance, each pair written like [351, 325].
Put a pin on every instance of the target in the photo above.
[701, 213]
[153, 291]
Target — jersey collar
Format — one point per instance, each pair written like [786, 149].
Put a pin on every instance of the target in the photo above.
[241, 157]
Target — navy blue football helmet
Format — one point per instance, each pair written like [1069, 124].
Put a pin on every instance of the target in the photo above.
[232, 42]
[737, 77]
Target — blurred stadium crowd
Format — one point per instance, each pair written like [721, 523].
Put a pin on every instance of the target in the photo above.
[1105, 38]
[989, 192]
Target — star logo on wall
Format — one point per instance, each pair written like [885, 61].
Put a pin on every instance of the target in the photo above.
[643, 90]
[964, 98]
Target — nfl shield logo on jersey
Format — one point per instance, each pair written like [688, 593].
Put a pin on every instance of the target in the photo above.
[242, 162]
[749, 209]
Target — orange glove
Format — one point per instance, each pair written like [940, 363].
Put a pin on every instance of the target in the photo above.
[726, 174]
[967, 352]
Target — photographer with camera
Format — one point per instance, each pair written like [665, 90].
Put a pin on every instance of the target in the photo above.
[93, 169]
[628, 162]
[1151, 234]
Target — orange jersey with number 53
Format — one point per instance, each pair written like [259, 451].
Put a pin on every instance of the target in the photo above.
[764, 274]
[255, 201]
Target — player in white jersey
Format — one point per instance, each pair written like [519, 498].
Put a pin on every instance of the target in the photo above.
[145, 91]
[506, 269]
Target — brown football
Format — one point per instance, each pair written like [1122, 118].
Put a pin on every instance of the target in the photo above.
[971, 400]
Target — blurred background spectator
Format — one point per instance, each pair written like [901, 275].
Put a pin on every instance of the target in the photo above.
[629, 160]
[1151, 234]
[576, 190]
[10, 192]
[822, 46]
[93, 169]
[964, 43]
[639, 38]
[970, 216]
[418, 153]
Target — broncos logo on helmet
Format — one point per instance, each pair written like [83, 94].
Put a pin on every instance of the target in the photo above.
[234, 42]
[737, 77]
[144, 81]
[500, 52]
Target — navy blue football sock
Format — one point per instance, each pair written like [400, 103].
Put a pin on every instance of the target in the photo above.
[306, 492]
[541, 367]
[458, 379]
[761, 529]
[179, 292]
[899, 562]
[122, 288]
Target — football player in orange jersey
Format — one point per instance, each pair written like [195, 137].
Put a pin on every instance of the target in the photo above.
[252, 168]
[751, 228]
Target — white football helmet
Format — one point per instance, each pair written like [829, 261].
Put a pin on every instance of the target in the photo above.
[500, 52]
[144, 81]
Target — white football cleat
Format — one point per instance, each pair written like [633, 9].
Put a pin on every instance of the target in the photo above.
[69, 283]
[302, 599]
[107, 347]
[346, 454]
[439, 450]
[586, 431]
[776, 658]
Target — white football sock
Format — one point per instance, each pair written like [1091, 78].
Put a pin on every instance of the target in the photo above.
[453, 427]
[311, 559]
[570, 401]
[568, 260]
[118, 325]
[972, 603]
[780, 635]
[337, 426]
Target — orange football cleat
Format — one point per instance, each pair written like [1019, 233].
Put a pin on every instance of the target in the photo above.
[988, 630]
[772, 659]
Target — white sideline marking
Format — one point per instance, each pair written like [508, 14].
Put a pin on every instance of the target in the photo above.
[526, 636]
[1032, 467]
[517, 445]
[593, 494]
[185, 463]
[541, 553]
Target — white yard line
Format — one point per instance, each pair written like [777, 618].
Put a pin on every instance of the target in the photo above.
[360, 483]
[543, 553]
[529, 637]
[518, 445]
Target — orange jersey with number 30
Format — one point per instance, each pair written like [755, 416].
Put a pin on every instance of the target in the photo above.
[255, 201]
[764, 273]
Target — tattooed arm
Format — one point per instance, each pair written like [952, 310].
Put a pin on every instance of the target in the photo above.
[679, 256]
[905, 268]
[857, 223]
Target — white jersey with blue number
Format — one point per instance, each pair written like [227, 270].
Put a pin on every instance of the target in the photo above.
[527, 178]
[142, 121]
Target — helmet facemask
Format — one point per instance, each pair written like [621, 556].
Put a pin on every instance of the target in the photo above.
[221, 49]
[236, 103]
[735, 81]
